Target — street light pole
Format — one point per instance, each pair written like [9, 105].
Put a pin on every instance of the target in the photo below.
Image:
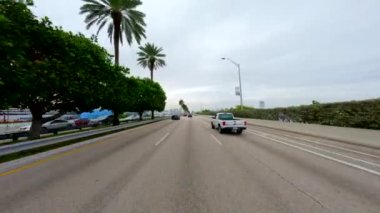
[240, 89]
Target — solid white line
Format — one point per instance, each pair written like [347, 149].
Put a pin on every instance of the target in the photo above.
[216, 139]
[336, 147]
[329, 145]
[162, 139]
[324, 150]
[321, 155]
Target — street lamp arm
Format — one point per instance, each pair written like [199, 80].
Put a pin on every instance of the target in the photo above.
[230, 60]
[240, 89]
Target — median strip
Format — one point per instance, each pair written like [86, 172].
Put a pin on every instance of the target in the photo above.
[28, 149]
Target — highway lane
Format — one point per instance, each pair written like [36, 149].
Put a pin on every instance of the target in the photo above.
[185, 166]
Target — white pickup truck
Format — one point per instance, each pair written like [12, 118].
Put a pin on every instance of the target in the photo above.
[226, 122]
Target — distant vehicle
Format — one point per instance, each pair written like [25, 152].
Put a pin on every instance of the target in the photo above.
[190, 116]
[175, 117]
[226, 122]
[102, 120]
[58, 125]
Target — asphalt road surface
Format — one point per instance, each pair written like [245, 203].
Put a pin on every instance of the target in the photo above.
[185, 166]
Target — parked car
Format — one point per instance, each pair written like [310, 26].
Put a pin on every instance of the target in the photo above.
[102, 120]
[58, 125]
[25, 128]
[175, 117]
[68, 117]
[226, 122]
[130, 118]
[81, 123]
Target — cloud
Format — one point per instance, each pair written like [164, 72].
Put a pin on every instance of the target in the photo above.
[291, 52]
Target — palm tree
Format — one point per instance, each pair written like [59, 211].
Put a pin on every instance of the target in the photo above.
[151, 56]
[121, 16]
[184, 106]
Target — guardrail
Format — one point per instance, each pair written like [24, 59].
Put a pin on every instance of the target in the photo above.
[22, 146]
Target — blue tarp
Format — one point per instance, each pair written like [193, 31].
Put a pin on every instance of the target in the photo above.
[95, 114]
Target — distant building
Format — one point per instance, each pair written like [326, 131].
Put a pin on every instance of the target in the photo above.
[262, 104]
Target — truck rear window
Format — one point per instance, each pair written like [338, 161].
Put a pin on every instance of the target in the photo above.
[226, 117]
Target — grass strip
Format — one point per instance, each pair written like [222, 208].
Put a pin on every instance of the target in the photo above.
[25, 153]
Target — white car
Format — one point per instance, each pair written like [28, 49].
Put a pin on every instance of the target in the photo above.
[25, 128]
[130, 118]
[58, 124]
[226, 122]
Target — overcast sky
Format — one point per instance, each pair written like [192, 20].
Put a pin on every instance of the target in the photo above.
[291, 52]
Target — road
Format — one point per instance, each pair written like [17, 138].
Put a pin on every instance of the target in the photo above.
[185, 166]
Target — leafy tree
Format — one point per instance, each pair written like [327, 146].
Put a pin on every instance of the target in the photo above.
[152, 57]
[158, 98]
[148, 95]
[45, 68]
[141, 101]
[121, 17]
[26, 2]
[119, 95]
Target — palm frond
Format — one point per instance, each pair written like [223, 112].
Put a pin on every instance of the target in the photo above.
[132, 23]
[101, 26]
[151, 56]
[121, 13]
[110, 31]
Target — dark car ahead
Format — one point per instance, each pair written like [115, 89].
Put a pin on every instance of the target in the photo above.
[175, 117]
[190, 116]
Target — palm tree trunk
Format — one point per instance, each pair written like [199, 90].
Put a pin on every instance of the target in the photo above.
[116, 36]
[151, 78]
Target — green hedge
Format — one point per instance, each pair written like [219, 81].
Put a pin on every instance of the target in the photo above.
[358, 114]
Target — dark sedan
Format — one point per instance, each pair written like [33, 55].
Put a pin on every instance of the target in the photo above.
[175, 117]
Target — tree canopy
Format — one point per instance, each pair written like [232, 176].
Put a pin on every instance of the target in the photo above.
[148, 95]
[45, 68]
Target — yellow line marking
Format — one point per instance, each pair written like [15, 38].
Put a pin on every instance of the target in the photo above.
[57, 156]
[47, 159]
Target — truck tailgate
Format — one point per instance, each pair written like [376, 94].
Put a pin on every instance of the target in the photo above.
[234, 123]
